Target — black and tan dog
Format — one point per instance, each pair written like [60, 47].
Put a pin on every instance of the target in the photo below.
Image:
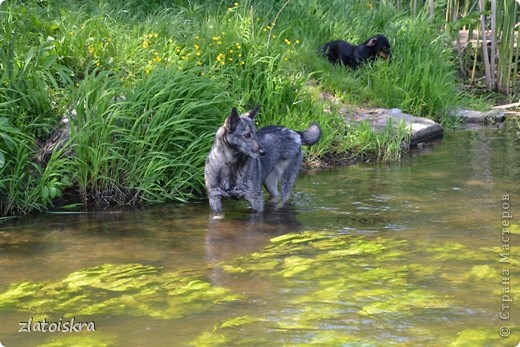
[342, 52]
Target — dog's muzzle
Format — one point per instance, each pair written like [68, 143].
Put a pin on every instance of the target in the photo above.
[384, 55]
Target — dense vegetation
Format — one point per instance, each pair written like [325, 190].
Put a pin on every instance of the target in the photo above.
[145, 85]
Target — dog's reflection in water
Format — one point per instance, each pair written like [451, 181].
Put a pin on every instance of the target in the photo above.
[243, 233]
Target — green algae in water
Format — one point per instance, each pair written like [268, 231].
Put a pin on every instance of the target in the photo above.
[330, 289]
[127, 289]
[97, 339]
[330, 284]
[239, 321]
[476, 338]
[210, 339]
[514, 229]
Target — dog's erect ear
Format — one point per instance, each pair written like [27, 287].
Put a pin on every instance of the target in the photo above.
[231, 122]
[372, 42]
[254, 112]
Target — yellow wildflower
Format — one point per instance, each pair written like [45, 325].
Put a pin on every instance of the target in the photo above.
[221, 58]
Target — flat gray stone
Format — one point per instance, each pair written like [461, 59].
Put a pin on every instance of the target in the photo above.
[421, 129]
[486, 117]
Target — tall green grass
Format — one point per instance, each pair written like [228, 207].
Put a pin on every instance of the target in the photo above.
[147, 143]
[420, 78]
[150, 83]
[493, 64]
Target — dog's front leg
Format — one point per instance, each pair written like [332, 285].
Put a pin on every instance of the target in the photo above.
[256, 200]
[215, 201]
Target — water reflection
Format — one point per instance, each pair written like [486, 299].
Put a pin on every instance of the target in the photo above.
[405, 254]
[247, 233]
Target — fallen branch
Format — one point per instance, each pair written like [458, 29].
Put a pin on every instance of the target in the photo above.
[515, 104]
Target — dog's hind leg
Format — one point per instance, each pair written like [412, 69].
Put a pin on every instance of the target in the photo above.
[273, 179]
[271, 183]
[289, 178]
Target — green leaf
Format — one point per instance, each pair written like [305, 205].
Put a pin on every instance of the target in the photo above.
[53, 192]
[45, 193]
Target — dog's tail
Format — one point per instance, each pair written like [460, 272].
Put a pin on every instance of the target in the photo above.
[311, 135]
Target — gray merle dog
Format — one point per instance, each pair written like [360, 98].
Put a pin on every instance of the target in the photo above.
[243, 159]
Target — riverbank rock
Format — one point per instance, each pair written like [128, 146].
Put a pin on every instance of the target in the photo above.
[421, 129]
[61, 135]
[478, 117]
[58, 138]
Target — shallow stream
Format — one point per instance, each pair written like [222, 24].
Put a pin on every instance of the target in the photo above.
[419, 253]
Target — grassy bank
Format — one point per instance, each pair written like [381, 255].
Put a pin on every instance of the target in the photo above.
[150, 82]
